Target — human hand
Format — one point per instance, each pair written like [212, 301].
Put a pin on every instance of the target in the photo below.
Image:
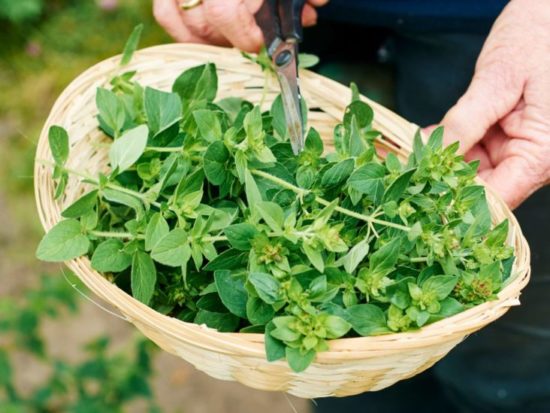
[220, 22]
[503, 119]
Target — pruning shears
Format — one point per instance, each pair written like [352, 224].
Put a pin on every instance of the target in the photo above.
[281, 25]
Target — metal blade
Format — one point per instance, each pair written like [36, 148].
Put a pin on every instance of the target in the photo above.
[284, 60]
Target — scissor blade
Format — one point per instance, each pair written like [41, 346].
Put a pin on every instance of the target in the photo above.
[287, 74]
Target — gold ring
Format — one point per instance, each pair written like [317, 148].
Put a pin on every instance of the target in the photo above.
[190, 4]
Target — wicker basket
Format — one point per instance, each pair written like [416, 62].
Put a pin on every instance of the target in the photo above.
[352, 365]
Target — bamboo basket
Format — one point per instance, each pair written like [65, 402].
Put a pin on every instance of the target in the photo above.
[352, 365]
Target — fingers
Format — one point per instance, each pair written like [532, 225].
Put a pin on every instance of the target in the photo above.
[234, 19]
[167, 14]
[317, 3]
[512, 179]
[488, 98]
[309, 16]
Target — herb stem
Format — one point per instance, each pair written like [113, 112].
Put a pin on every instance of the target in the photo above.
[322, 201]
[114, 234]
[163, 149]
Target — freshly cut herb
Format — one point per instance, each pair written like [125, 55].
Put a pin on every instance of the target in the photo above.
[206, 215]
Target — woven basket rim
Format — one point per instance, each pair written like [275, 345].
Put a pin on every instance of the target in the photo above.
[253, 344]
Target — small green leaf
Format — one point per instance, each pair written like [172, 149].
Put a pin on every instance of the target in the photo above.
[228, 260]
[367, 319]
[267, 286]
[241, 235]
[143, 277]
[338, 173]
[258, 312]
[274, 349]
[315, 256]
[59, 144]
[215, 159]
[127, 149]
[163, 109]
[272, 214]
[209, 125]
[436, 138]
[63, 242]
[172, 249]
[355, 256]
[232, 292]
[131, 45]
[123, 198]
[111, 110]
[223, 322]
[441, 285]
[297, 360]
[384, 259]
[157, 228]
[109, 256]
[306, 60]
[336, 326]
[398, 186]
[196, 86]
[81, 206]
[314, 143]
[362, 113]
[368, 180]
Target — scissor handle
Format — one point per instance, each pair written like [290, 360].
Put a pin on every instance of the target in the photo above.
[290, 17]
[267, 18]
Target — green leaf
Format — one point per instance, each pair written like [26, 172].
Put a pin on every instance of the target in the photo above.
[127, 149]
[306, 60]
[223, 322]
[384, 259]
[362, 113]
[440, 285]
[63, 242]
[172, 249]
[131, 45]
[123, 198]
[367, 319]
[355, 256]
[240, 235]
[272, 214]
[163, 109]
[81, 206]
[258, 312]
[278, 120]
[196, 85]
[357, 145]
[315, 256]
[398, 186]
[215, 159]
[368, 180]
[418, 146]
[274, 349]
[232, 292]
[497, 236]
[338, 173]
[297, 360]
[157, 228]
[314, 143]
[208, 124]
[143, 277]
[267, 286]
[111, 110]
[436, 138]
[109, 256]
[228, 260]
[336, 326]
[253, 196]
[59, 144]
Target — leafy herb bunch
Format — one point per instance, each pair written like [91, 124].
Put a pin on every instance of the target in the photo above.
[206, 215]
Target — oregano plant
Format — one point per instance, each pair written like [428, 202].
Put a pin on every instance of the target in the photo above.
[206, 215]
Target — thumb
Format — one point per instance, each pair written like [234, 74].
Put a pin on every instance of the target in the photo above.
[489, 98]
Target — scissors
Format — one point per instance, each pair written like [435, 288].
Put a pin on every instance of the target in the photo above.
[281, 25]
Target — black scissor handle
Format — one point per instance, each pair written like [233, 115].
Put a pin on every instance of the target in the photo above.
[290, 17]
[267, 18]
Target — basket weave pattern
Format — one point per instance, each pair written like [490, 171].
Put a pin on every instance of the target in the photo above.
[352, 365]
